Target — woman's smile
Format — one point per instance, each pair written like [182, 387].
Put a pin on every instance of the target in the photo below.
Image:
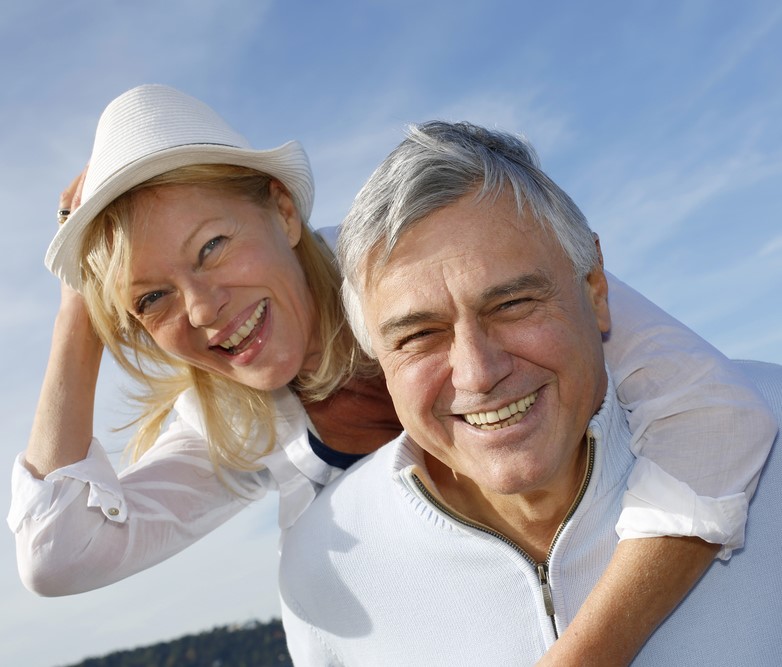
[252, 328]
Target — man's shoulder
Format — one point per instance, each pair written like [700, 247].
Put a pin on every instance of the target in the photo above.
[361, 489]
[346, 530]
[767, 377]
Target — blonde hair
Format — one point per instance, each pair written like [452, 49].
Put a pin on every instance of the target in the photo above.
[239, 420]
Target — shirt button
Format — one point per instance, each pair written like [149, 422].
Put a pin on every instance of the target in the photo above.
[113, 511]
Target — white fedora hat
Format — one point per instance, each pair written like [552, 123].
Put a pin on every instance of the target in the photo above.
[150, 130]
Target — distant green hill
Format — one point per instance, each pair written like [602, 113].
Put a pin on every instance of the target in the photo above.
[251, 645]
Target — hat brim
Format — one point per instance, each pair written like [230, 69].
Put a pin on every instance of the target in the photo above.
[287, 163]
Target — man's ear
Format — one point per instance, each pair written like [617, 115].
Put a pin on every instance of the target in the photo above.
[597, 285]
[289, 214]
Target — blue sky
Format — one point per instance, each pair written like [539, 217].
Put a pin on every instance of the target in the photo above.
[661, 119]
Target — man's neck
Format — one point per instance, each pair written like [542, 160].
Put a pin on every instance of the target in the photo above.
[530, 520]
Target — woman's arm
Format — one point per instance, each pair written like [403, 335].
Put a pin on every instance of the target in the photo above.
[696, 417]
[62, 426]
[642, 584]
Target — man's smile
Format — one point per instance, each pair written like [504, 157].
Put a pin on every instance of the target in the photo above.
[506, 416]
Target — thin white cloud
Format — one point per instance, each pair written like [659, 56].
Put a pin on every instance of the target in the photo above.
[737, 48]
[773, 246]
[639, 197]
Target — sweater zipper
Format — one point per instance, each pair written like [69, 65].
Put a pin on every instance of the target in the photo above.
[540, 568]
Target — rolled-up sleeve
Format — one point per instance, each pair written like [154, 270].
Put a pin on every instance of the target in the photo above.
[657, 504]
[700, 428]
[38, 499]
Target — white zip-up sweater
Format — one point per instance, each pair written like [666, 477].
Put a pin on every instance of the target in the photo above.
[376, 573]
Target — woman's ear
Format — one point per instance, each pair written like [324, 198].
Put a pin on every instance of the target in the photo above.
[289, 214]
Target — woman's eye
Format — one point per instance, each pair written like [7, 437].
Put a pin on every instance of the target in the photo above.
[145, 301]
[210, 246]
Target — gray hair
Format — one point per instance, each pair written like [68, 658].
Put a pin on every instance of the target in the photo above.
[436, 165]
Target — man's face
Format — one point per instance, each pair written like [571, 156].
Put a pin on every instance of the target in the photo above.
[477, 317]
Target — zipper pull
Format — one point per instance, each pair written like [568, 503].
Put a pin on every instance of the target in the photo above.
[546, 589]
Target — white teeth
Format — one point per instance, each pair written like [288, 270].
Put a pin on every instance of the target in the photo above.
[243, 331]
[513, 411]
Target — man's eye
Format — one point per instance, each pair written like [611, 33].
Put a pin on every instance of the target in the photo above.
[414, 337]
[145, 301]
[513, 303]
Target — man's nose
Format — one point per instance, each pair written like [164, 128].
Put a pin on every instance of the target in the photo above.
[204, 302]
[478, 362]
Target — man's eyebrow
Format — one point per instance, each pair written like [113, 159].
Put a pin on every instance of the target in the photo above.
[396, 324]
[528, 282]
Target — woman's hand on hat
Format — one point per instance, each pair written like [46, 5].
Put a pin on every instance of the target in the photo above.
[69, 201]
[71, 197]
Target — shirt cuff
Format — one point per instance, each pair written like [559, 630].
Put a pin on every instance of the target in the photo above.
[35, 498]
[657, 504]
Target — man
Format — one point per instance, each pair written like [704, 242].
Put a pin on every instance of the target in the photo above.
[475, 538]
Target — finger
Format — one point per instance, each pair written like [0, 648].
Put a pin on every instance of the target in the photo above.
[70, 198]
[79, 187]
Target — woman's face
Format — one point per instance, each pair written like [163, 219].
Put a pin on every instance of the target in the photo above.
[215, 282]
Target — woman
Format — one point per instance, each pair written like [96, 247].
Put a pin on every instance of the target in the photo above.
[190, 258]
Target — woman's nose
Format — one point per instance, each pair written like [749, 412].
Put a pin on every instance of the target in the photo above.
[203, 303]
